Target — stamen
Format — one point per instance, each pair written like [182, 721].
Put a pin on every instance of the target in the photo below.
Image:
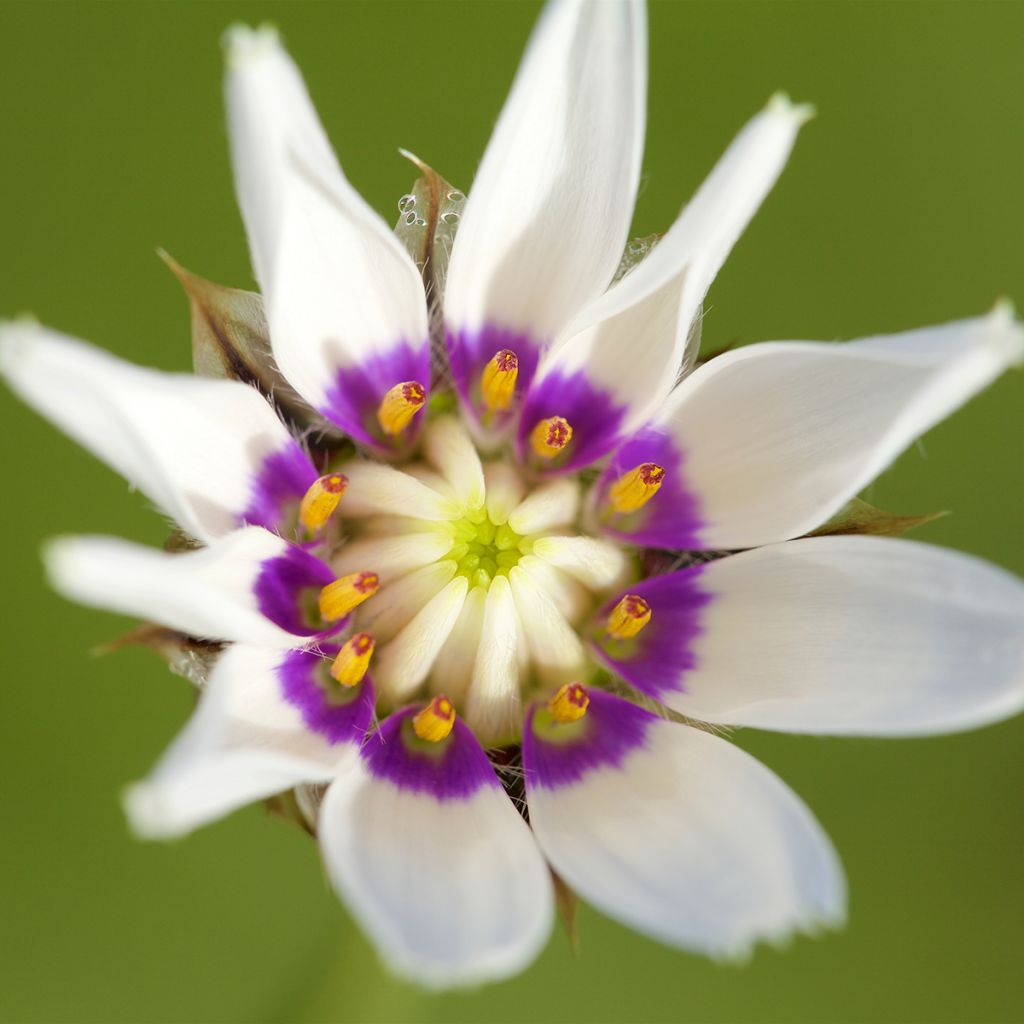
[353, 659]
[337, 599]
[399, 406]
[628, 617]
[321, 500]
[570, 703]
[435, 721]
[550, 436]
[498, 384]
[634, 489]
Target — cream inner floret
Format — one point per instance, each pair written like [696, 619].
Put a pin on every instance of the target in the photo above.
[464, 580]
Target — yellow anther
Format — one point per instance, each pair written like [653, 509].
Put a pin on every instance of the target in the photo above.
[353, 659]
[321, 500]
[498, 385]
[337, 599]
[435, 721]
[570, 703]
[550, 436]
[628, 617]
[634, 489]
[399, 406]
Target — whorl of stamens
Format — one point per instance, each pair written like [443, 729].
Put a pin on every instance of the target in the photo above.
[337, 599]
[570, 703]
[634, 489]
[399, 406]
[628, 617]
[550, 436]
[353, 659]
[498, 383]
[435, 721]
[321, 500]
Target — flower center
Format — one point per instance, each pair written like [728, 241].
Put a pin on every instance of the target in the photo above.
[484, 549]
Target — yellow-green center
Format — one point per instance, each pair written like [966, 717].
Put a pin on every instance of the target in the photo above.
[483, 550]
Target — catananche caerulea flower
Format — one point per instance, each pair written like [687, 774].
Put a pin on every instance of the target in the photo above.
[448, 615]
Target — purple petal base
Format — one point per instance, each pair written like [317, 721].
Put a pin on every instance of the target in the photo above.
[281, 482]
[561, 755]
[671, 519]
[453, 769]
[353, 401]
[470, 351]
[306, 685]
[595, 418]
[658, 658]
[286, 584]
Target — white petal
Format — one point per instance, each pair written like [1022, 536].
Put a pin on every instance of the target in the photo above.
[449, 447]
[570, 597]
[394, 605]
[505, 490]
[631, 345]
[765, 443]
[207, 593]
[340, 290]
[553, 504]
[683, 836]
[453, 666]
[555, 649]
[450, 888]
[550, 207]
[244, 742]
[493, 708]
[195, 447]
[856, 635]
[597, 564]
[404, 663]
[391, 557]
[374, 488]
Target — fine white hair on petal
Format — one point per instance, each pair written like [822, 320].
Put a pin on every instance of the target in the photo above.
[597, 564]
[550, 207]
[776, 437]
[693, 842]
[392, 557]
[206, 593]
[393, 606]
[404, 663]
[243, 743]
[339, 287]
[453, 666]
[856, 636]
[193, 446]
[632, 341]
[505, 490]
[555, 650]
[375, 488]
[451, 891]
[449, 447]
[493, 709]
[553, 504]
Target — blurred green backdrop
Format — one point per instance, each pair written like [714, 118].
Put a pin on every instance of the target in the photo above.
[903, 205]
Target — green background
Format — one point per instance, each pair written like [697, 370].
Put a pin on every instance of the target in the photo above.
[903, 205]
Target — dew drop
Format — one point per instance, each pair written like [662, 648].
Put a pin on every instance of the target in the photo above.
[410, 218]
[407, 202]
[456, 196]
[449, 218]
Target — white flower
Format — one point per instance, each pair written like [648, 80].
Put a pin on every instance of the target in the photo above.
[446, 583]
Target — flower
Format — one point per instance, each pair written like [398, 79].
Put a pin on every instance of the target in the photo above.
[472, 548]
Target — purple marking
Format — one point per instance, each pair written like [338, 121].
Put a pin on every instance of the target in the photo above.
[592, 413]
[658, 658]
[470, 351]
[282, 480]
[302, 686]
[285, 582]
[604, 737]
[357, 392]
[453, 769]
[671, 519]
